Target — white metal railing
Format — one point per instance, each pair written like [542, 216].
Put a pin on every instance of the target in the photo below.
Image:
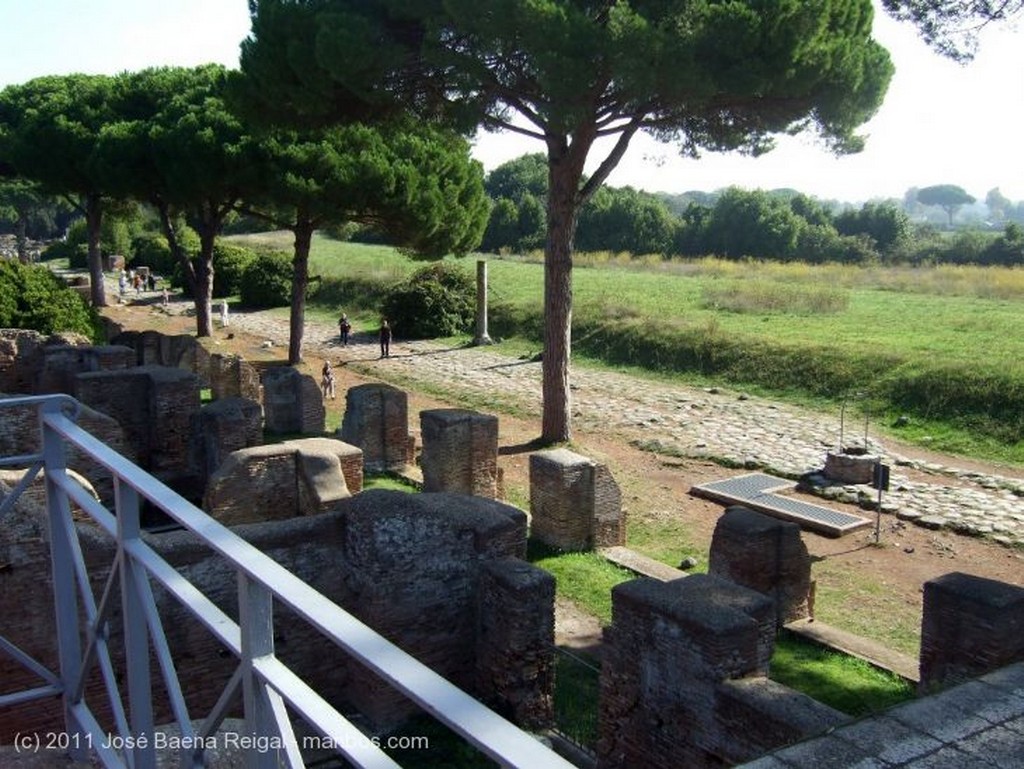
[266, 685]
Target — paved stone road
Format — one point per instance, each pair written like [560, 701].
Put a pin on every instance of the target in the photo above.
[688, 421]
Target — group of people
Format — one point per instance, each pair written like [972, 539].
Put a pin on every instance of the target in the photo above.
[137, 280]
[344, 330]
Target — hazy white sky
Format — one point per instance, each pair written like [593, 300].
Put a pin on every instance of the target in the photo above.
[940, 123]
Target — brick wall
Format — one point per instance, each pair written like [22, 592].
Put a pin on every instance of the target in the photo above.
[970, 626]
[766, 555]
[575, 503]
[231, 376]
[226, 425]
[292, 402]
[460, 452]
[377, 421]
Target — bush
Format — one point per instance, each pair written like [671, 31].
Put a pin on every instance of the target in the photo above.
[77, 254]
[267, 281]
[229, 264]
[151, 250]
[437, 300]
[32, 297]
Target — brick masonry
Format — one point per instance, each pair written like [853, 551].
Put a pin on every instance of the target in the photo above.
[766, 555]
[226, 425]
[292, 402]
[460, 452]
[575, 503]
[377, 421]
[970, 626]
[231, 376]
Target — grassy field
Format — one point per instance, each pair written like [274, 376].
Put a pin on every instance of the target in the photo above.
[939, 344]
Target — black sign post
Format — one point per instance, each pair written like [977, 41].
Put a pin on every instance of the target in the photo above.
[880, 481]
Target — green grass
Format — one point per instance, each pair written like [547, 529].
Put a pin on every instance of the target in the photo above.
[940, 344]
[848, 684]
[586, 579]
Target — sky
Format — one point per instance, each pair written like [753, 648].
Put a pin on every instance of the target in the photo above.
[941, 123]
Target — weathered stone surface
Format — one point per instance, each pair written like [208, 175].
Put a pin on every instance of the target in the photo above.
[226, 425]
[19, 435]
[575, 503]
[175, 351]
[766, 555]
[970, 626]
[283, 480]
[63, 363]
[460, 452]
[377, 421]
[23, 357]
[292, 402]
[669, 652]
[231, 376]
[158, 407]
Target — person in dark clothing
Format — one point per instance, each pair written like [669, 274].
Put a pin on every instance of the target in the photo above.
[385, 338]
[344, 327]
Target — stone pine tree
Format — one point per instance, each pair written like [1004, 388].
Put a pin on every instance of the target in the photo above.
[48, 130]
[949, 197]
[416, 185]
[579, 76]
[951, 26]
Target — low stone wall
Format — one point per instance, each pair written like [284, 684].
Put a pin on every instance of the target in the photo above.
[377, 421]
[227, 425]
[766, 555]
[175, 351]
[283, 480]
[63, 363]
[292, 402]
[460, 452]
[575, 503]
[23, 357]
[970, 626]
[668, 695]
[158, 408]
[19, 435]
[231, 376]
[437, 574]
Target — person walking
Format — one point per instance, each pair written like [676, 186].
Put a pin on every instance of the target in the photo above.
[224, 313]
[344, 327]
[327, 380]
[385, 338]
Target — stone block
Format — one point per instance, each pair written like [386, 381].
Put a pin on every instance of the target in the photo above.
[460, 452]
[227, 425]
[377, 421]
[970, 626]
[292, 402]
[766, 555]
[575, 503]
[231, 376]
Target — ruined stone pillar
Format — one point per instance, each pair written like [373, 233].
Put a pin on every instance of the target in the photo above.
[292, 402]
[575, 503]
[377, 421]
[231, 376]
[460, 452]
[766, 555]
[482, 337]
[970, 626]
[515, 654]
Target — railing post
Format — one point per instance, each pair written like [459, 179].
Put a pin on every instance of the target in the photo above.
[136, 632]
[65, 596]
[256, 621]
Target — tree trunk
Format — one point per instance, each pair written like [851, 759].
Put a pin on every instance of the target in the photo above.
[565, 169]
[94, 221]
[177, 252]
[21, 237]
[204, 278]
[300, 280]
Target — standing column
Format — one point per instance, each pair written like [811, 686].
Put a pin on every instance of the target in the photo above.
[482, 336]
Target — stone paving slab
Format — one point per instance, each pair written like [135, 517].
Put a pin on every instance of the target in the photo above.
[878, 655]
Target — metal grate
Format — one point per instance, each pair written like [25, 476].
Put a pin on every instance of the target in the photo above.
[755, 491]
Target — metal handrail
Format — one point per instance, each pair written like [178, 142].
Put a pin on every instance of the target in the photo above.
[267, 684]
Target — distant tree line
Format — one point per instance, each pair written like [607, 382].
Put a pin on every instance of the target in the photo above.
[735, 223]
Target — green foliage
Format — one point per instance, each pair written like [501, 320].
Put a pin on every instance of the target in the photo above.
[77, 254]
[32, 297]
[770, 297]
[438, 300]
[846, 683]
[230, 263]
[266, 281]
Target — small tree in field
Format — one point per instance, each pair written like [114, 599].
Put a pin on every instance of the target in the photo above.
[948, 197]
[705, 75]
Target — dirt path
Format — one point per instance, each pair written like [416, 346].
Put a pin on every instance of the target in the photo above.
[864, 588]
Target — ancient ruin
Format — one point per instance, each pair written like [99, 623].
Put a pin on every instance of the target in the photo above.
[377, 420]
[460, 452]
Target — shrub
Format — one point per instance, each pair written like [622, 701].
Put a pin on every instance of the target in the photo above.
[437, 300]
[229, 264]
[77, 254]
[267, 281]
[151, 250]
[34, 298]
